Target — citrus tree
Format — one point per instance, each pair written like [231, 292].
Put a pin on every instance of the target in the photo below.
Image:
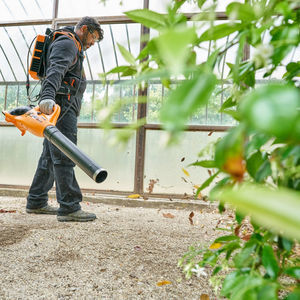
[256, 165]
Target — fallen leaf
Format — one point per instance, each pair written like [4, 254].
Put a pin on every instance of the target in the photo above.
[210, 133]
[204, 297]
[168, 215]
[191, 218]
[209, 172]
[163, 282]
[215, 246]
[183, 159]
[237, 230]
[4, 211]
[185, 172]
[134, 196]
[152, 182]
[246, 237]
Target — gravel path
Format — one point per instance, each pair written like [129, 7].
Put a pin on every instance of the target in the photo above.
[122, 255]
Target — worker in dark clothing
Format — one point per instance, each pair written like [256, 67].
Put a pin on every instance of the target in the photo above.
[64, 84]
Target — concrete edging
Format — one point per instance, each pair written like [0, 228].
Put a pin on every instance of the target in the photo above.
[120, 200]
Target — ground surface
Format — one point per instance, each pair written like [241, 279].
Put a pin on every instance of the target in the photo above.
[124, 254]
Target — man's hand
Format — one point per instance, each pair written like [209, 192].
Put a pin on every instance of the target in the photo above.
[46, 106]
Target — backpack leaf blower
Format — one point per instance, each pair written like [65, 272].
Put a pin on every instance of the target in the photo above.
[42, 125]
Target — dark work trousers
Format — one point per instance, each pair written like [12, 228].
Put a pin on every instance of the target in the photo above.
[54, 166]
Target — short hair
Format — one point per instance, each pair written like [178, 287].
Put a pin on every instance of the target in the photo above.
[92, 25]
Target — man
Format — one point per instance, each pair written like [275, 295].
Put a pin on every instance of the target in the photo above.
[64, 84]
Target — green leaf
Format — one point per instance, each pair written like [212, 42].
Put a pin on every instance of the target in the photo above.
[293, 70]
[284, 243]
[263, 172]
[230, 146]
[233, 113]
[226, 238]
[244, 258]
[239, 217]
[237, 284]
[277, 210]
[149, 18]
[284, 38]
[293, 272]
[229, 282]
[273, 109]
[269, 261]
[186, 99]
[200, 3]
[229, 248]
[268, 291]
[220, 31]
[127, 55]
[204, 164]
[255, 142]
[129, 72]
[240, 11]
[227, 104]
[254, 162]
[238, 66]
[295, 295]
[119, 69]
[173, 47]
[244, 287]
[216, 270]
[206, 183]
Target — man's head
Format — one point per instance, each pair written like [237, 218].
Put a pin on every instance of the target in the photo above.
[89, 31]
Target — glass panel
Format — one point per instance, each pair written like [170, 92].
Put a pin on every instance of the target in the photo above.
[86, 106]
[18, 164]
[15, 42]
[11, 10]
[18, 156]
[2, 99]
[208, 115]
[12, 95]
[165, 164]
[113, 34]
[71, 8]
[118, 162]
[156, 93]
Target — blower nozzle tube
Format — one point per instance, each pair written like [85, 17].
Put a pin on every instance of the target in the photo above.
[92, 169]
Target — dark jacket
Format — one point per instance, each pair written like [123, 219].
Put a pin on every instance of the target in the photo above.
[64, 65]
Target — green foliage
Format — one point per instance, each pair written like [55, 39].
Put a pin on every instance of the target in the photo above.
[258, 160]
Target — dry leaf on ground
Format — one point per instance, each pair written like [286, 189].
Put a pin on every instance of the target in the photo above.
[168, 215]
[191, 218]
[134, 196]
[163, 282]
[5, 211]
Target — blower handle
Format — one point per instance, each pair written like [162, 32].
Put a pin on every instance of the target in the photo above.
[32, 120]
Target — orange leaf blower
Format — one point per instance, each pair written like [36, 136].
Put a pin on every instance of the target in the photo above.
[31, 119]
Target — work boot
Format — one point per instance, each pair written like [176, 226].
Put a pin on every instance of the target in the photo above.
[77, 216]
[46, 210]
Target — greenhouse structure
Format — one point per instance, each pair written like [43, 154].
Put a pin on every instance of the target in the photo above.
[143, 165]
[192, 107]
